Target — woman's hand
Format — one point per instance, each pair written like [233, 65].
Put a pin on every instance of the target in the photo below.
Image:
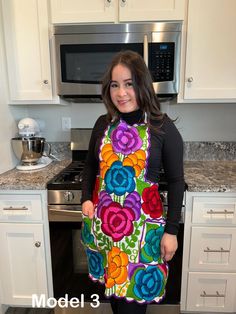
[169, 245]
[88, 209]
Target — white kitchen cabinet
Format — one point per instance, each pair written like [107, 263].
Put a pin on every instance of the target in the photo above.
[209, 256]
[26, 33]
[79, 11]
[25, 266]
[210, 74]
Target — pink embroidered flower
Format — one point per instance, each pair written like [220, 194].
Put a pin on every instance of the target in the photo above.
[117, 221]
[125, 140]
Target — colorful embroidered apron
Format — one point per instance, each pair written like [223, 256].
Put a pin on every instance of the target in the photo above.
[122, 242]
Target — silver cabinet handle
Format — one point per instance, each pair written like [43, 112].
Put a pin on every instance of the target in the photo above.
[16, 208]
[224, 212]
[208, 250]
[45, 82]
[190, 79]
[145, 49]
[37, 243]
[205, 295]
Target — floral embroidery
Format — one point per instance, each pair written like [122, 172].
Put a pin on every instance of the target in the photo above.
[136, 160]
[108, 157]
[117, 267]
[119, 179]
[117, 221]
[152, 204]
[123, 239]
[95, 263]
[125, 139]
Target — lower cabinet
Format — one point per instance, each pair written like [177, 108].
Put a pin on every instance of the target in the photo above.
[209, 257]
[25, 267]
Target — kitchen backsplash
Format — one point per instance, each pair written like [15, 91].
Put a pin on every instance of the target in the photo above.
[192, 150]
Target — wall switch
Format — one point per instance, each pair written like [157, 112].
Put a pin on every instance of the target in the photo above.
[66, 123]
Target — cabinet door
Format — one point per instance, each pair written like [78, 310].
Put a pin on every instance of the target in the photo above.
[22, 266]
[27, 49]
[153, 10]
[211, 292]
[213, 248]
[80, 11]
[211, 45]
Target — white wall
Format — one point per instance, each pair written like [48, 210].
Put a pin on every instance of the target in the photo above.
[196, 122]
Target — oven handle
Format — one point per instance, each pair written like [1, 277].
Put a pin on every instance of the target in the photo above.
[55, 214]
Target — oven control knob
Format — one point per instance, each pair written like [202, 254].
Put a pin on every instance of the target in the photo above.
[68, 196]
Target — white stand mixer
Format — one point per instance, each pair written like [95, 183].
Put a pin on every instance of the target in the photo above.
[29, 146]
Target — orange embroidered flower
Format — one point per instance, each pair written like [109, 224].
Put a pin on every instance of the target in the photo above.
[108, 157]
[117, 267]
[136, 160]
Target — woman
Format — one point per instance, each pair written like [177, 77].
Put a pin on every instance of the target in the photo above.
[128, 236]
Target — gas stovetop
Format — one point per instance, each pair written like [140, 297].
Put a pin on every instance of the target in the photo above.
[69, 178]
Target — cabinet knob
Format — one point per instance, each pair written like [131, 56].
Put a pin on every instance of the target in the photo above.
[37, 243]
[123, 1]
[190, 79]
[45, 82]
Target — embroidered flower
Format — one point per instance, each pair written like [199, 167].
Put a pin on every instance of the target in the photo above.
[151, 249]
[117, 267]
[152, 204]
[133, 200]
[136, 160]
[119, 179]
[86, 235]
[148, 283]
[108, 157]
[95, 191]
[117, 221]
[104, 201]
[95, 263]
[125, 139]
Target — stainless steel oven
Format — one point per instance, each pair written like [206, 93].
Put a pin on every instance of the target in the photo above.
[69, 263]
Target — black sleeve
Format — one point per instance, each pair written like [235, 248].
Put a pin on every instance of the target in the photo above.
[90, 170]
[172, 159]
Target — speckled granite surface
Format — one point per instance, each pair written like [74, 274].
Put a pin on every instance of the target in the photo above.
[201, 176]
[31, 180]
[210, 176]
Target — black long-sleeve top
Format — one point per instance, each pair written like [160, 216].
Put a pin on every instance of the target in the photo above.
[166, 151]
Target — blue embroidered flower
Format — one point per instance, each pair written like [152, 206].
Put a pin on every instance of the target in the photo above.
[86, 235]
[119, 179]
[95, 263]
[151, 249]
[148, 283]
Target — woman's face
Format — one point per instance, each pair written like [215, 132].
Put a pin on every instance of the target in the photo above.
[122, 90]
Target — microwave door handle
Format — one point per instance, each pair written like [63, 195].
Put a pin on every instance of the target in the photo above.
[145, 49]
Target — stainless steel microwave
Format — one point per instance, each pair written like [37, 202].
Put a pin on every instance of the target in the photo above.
[83, 52]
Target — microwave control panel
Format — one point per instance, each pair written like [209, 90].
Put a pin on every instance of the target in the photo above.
[161, 61]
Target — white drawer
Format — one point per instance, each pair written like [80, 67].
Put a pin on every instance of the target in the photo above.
[21, 207]
[214, 210]
[211, 292]
[213, 248]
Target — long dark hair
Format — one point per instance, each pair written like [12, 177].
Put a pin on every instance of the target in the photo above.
[142, 82]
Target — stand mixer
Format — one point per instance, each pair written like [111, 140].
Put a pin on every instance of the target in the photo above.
[29, 146]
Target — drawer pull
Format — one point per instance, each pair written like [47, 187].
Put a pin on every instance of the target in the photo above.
[208, 250]
[217, 295]
[16, 208]
[37, 243]
[222, 212]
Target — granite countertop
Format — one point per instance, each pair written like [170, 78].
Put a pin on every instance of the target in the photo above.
[210, 176]
[31, 180]
[201, 176]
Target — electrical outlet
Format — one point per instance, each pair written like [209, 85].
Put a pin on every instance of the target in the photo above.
[66, 123]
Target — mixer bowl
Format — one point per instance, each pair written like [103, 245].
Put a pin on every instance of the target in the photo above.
[29, 150]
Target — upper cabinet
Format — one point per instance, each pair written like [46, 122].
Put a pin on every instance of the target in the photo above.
[80, 11]
[210, 69]
[27, 50]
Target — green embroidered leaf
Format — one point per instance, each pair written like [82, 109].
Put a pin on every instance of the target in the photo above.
[134, 238]
[141, 185]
